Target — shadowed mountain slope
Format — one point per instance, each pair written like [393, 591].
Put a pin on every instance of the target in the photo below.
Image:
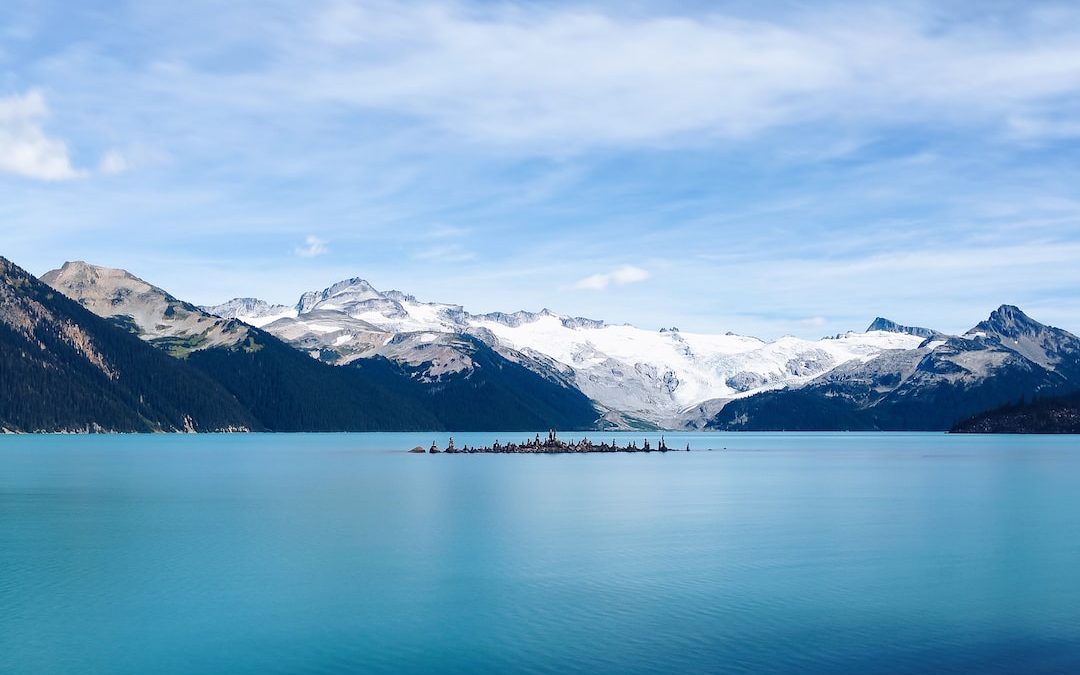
[1051, 415]
[65, 369]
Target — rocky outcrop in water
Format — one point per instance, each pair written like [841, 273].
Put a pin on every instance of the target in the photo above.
[552, 444]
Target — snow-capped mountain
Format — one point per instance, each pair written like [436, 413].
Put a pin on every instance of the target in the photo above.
[659, 376]
[933, 386]
[255, 312]
[389, 360]
[350, 320]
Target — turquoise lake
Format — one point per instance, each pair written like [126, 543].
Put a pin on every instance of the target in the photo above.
[840, 553]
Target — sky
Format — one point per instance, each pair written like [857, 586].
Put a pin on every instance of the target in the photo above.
[767, 168]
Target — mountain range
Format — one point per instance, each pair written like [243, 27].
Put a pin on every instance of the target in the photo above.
[942, 381]
[666, 378]
[351, 358]
[285, 390]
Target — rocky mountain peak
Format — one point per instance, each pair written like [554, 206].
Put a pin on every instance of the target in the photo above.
[353, 285]
[91, 284]
[1014, 330]
[252, 311]
[77, 266]
[247, 304]
[1009, 321]
[888, 326]
[400, 296]
[344, 292]
[151, 312]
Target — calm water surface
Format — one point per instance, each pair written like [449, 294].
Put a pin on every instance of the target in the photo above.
[341, 553]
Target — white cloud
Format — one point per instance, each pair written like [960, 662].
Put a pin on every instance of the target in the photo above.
[25, 148]
[566, 78]
[113, 162]
[627, 274]
[367, 118]
[313, 246]
[813, 322]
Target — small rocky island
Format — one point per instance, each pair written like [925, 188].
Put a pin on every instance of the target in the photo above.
[550, 445]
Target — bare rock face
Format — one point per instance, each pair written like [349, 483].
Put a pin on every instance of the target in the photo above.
[1047, 346]
[146, 310]
[883, 324]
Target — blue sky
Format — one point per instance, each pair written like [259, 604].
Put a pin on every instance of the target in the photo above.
[767, 168]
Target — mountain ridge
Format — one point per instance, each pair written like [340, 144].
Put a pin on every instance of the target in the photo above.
[656, 376]
[288, 391]
[943, 381]
[886, 325]
[351, 357]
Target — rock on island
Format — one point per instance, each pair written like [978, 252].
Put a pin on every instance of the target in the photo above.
[550, 445]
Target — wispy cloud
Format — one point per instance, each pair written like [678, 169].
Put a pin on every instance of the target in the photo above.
[565, 78]
[813, 322]
[448, 253]
[836, 159]
[313, 246]
[447, 232]
[25, 148]
[627, 274]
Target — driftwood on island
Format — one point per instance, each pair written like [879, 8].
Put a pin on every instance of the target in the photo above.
[550, 445]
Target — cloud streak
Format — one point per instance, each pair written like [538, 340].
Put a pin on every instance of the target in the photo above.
[444, 254]
[835, 160]
[564, 79]
[621, 276]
